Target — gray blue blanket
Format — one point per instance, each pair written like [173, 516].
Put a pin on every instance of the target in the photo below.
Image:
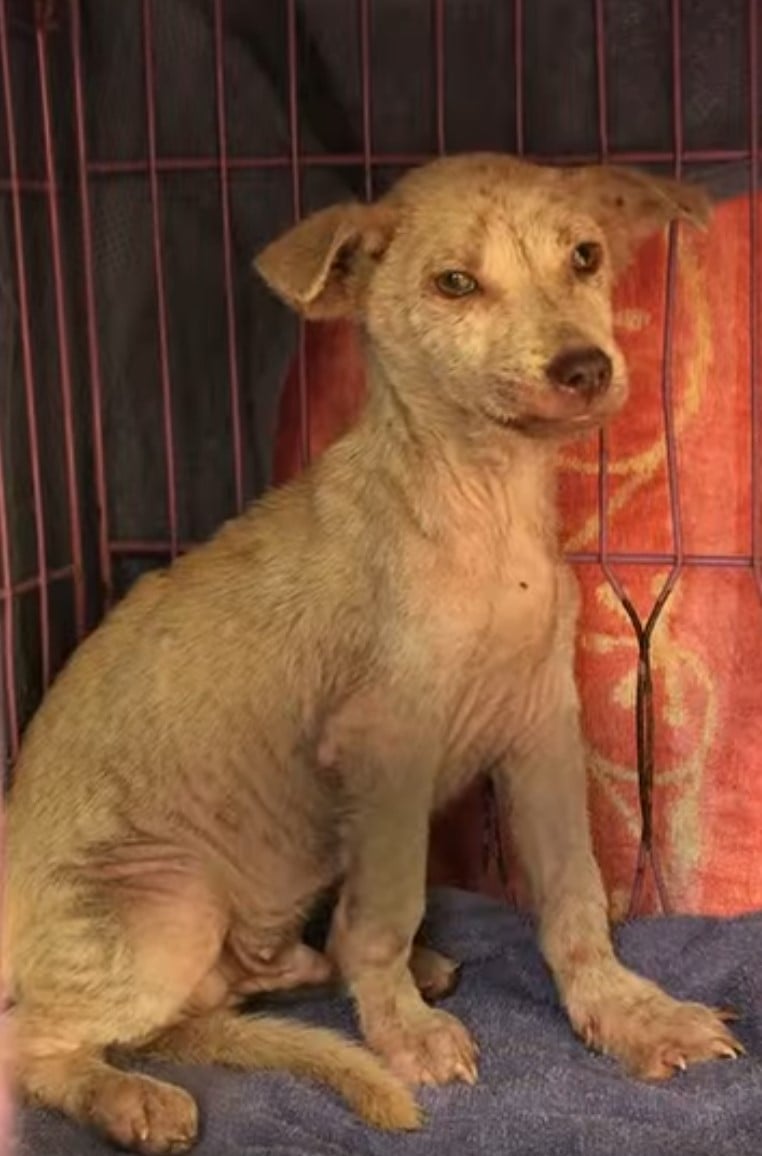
[540, 1093]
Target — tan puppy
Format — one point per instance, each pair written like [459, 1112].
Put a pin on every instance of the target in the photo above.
[283, 708]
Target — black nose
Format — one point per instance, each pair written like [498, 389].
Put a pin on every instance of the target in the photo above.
[587, 370]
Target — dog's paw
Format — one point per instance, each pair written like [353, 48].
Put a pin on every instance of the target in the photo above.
[143, 1114]
[429, 1047]
[653, 1035]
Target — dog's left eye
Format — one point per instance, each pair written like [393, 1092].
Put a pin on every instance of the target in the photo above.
[587, 257]
[456, 283]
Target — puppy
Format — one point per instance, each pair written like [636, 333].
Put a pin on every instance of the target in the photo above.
[282, 710]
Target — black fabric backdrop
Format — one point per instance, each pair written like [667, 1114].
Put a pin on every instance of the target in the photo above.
[560, 117]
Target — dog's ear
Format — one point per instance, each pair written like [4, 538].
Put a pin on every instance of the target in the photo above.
[631, 205]
[321, 266]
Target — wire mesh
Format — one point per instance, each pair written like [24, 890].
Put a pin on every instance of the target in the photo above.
[71, 177]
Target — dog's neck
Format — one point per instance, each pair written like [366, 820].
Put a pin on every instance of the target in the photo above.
[457, 478]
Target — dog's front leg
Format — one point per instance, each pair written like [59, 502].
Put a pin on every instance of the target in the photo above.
[379, 911]
[611, 1008]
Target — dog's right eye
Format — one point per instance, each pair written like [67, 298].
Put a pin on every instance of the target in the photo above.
[587, 258]
[456, 283]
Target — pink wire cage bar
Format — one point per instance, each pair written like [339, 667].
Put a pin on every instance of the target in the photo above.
[63, 18]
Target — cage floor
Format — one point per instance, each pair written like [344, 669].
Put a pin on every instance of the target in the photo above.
[540, 1092]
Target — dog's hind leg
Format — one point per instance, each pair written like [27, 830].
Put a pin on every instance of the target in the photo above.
[134, 1111]
[145, 975]
[91, 976]
[299, 966]
[435, 975]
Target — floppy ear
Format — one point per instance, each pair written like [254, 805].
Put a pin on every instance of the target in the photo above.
[320, 267]
[630, 205]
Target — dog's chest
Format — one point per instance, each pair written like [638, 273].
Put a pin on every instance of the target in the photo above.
[484, 611]
[489, 627]
[475, 618]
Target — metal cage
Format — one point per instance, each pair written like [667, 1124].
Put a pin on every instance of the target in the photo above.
[87, 112]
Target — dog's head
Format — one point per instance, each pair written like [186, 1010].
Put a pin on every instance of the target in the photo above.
[484, 284]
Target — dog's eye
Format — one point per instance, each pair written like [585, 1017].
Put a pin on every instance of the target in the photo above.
[456, 283]
[587, 257]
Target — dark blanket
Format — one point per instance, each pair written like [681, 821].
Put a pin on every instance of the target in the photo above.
[540, 1093]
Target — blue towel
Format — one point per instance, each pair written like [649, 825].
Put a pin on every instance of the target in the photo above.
[540, 1092]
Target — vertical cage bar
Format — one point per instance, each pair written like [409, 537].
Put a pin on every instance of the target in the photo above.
[91, 315]
[6, 726]
[604, 553]
[755, 297]
[645, 688]
[644, 706]
[603, 447]
[296, 201]
[601, 78]
[439, 75]
[518, 72]
[677, 86]
[667, 382]
[367, 99]
[675, 505]
[8, 708]
[227, 250]
[161, 297]
[62, 336]
[26, 348]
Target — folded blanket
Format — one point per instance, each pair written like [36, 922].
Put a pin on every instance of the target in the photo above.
[540, 1092]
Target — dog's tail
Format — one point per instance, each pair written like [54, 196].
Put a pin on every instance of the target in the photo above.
[260, 1042]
